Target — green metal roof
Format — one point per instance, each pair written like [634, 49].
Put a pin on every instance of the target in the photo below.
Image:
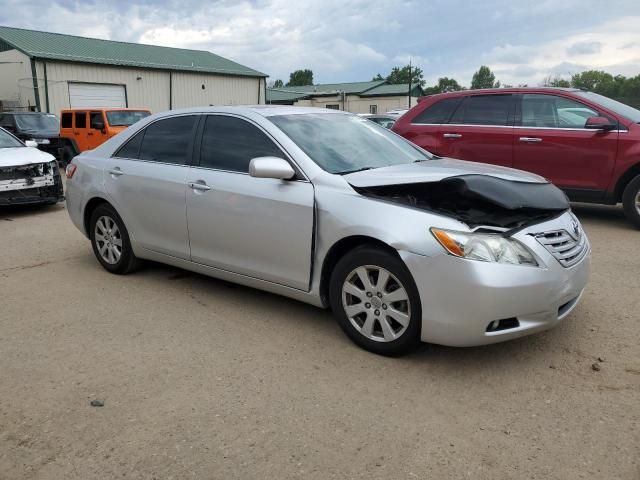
[395, 89]
[278, 95]
[333, 88]
[69, 48]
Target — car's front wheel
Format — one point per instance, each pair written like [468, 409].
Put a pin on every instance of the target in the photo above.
[376, 302]
[110, 241]
[631, 201]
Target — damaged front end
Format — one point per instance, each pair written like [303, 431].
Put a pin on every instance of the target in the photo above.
[32, 183]
[478, 200]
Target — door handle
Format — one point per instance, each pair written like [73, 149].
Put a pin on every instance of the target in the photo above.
[530, 139]
[199, 185]
[452, 135]
[90, 133]
[116, 172]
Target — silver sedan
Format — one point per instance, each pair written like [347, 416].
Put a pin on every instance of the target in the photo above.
[331, 209]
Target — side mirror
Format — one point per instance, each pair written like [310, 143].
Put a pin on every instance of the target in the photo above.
[31, 143]
[271, 167]
[599, 123]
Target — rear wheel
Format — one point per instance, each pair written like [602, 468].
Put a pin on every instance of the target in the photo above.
[376, 302]
[110, 241]
[631, 201]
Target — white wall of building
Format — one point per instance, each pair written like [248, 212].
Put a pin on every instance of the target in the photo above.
[16, 82]
[145, 88]
[357, 104]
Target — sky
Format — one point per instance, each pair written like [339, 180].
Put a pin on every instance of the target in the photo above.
[352, 40]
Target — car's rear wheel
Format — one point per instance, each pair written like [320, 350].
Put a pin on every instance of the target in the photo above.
[376, 302]
[110, 241]
[631, 201]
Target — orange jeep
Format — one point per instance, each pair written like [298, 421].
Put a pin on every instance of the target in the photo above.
[85, 128]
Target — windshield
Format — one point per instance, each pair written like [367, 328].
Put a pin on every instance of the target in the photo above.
[9, 141]
[125, 118]
[626, 111]
[347, 143]
[39, 123]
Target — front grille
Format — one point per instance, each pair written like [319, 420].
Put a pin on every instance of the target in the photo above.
[568, 249]
[25, 171]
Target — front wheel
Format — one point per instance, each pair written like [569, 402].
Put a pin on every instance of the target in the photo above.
[376, 302]
[110, 241]
[631, 201]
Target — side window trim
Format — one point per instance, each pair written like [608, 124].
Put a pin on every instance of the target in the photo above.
[300, 175]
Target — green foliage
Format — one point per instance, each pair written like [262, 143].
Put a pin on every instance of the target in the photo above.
[556, 82]
[445, 84]
[300, 78]
[484, 78]
[402, 75]
[377, 78]
[621, 88]
[278, 84]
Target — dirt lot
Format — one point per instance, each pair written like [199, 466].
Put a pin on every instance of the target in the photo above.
[203, 379]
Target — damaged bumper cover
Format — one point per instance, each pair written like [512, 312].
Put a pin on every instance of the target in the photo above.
[30, 184]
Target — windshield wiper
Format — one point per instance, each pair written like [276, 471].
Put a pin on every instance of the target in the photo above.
[354, 171]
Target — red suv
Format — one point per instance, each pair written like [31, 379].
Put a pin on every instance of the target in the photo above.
[587, 144]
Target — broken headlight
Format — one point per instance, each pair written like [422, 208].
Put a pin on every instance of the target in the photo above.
[485, 247]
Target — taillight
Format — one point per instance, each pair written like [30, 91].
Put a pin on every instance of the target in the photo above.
[71, 170]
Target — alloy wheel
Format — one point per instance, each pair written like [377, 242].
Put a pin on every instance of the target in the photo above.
[638, 202]
[108, 240]
[376, 303]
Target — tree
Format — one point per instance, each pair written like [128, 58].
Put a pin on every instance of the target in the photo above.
[377, 78]
[300, 78]
[445, 84]
[556, 82]
[484, 78]
[598, 81]
[401, 75]
[278, 84]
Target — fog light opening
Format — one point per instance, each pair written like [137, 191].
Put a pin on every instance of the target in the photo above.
[504, 324]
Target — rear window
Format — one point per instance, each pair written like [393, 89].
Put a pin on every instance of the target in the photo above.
[484, 110]
[439, 112]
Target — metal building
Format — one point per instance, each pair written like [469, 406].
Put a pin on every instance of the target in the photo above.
[49, 72]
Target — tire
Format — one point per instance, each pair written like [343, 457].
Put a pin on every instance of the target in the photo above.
[109, 240]
[631, 201]
[383, 324]
[67, 155]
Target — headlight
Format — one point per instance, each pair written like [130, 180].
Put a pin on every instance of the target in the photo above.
[485, 247]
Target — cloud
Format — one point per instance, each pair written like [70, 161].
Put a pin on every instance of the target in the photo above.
[584, 48]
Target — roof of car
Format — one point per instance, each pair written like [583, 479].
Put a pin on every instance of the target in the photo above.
[506, 90]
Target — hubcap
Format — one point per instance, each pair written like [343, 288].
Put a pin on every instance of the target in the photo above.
[376, 303]
[108, 240]
[638, 202]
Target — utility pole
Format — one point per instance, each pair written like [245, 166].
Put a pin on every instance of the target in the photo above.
[409, 82]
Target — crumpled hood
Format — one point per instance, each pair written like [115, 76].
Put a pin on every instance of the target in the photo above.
[435, 170]
[16, 156]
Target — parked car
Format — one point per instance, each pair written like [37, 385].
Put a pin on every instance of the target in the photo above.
[587, 144]
[385, 121]
[42, 128]
[397, 113]
[27, 175]
[325, 207]
[86, 128]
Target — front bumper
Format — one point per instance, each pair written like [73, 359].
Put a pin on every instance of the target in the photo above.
[462, 298]
[35, 192]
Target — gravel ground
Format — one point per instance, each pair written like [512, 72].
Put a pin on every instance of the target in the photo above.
[204, 379]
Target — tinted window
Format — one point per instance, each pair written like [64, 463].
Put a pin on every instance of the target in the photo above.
[120, 118]
[550, 111]
[131, 149]
[439, 112]
[6, 121]
[66, 120]
[81, 120]
[96, 121]
[483, 110]
[229, 143]
[168, 140]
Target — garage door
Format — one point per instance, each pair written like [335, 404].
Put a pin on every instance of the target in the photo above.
[82, 95]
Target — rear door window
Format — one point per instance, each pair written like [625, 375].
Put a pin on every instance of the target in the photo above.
[485, 110]
[67, 120]
[81, 119]
[96, 121]
[439, 112]
[169, 140]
